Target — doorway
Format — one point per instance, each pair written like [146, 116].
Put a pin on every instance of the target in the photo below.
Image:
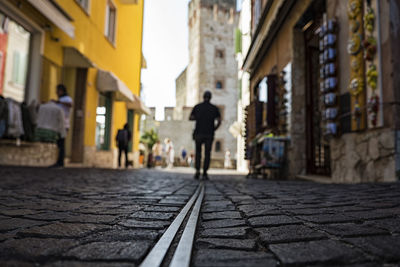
[78, 130]
[317, 146]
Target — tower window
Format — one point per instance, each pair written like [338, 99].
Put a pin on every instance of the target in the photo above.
[218, 146]
[219, 85]
[219, 53]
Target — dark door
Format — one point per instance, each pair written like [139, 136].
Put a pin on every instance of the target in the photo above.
[78, 133]
[131, 122]
[317, 150]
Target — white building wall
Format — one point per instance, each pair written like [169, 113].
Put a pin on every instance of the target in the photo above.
[244, 78]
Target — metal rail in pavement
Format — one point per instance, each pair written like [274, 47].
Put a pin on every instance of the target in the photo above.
[183, 252]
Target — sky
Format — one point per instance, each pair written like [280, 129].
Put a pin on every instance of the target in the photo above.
[165, 47]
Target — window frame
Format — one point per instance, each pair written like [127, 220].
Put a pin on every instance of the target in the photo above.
[85, 9]
[110, 5]
[108, 104]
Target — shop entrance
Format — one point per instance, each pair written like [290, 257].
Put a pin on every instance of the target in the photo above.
[317, 147]
[78, 133]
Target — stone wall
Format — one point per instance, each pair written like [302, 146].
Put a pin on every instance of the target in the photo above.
[217, 27]
[27, 154]
[363, 157]
[180, 133]
[192, 71]
[100, 159]
[297, 147]
[180, 95]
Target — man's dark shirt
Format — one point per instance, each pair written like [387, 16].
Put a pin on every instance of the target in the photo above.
[205, 115]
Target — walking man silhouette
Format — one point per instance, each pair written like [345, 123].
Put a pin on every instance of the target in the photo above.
[205, 114]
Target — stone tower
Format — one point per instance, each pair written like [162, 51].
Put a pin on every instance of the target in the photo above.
[212, 65]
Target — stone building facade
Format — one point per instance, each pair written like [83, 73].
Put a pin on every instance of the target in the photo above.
[181, 94]
[363, 144]
[212, 66]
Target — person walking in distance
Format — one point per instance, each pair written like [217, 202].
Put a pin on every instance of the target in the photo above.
[123, 138]
[65, 103]
[170, 152]
[205, 114]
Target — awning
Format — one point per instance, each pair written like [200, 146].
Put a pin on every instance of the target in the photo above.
[55, 14]
[73, 58]
[109, 82]
[129, 2]
[138, 106]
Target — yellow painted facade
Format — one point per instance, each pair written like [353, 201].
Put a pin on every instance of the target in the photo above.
[123, 58]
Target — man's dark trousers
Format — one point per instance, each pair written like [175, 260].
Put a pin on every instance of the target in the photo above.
[61, 152]
[125, 149]
[207, 141]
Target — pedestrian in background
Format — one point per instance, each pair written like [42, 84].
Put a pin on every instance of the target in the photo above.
[190, 160]
[205, 114]
[183, 155]
[123, 138]
[157, 153]
[65, 103]
[227, 161]
[170, 153]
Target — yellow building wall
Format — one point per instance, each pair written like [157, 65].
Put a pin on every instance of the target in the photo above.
[122, 58]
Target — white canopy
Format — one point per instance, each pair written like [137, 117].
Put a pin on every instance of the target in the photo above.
[138, 106]
[109, 82]
[55, 14]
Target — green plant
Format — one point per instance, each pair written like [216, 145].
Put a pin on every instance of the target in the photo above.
[149, 137]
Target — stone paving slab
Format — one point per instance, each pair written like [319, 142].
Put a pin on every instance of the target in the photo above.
[316, 252]
[226, 243]
[288, 233]
[221, 215]
[237, 232]
[273, 220]
[106, 251]
[384, 247]
[351, 229]
[233, 258]
[304, 224]
[94, 217]
[35, 248]
[85, 217]
[62, 230]
[223, 223]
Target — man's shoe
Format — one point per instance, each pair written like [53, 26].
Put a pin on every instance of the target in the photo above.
[56, 166]
[205, 177]
[197, 176]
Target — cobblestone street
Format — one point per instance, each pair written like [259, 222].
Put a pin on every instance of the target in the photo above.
[94, 217]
